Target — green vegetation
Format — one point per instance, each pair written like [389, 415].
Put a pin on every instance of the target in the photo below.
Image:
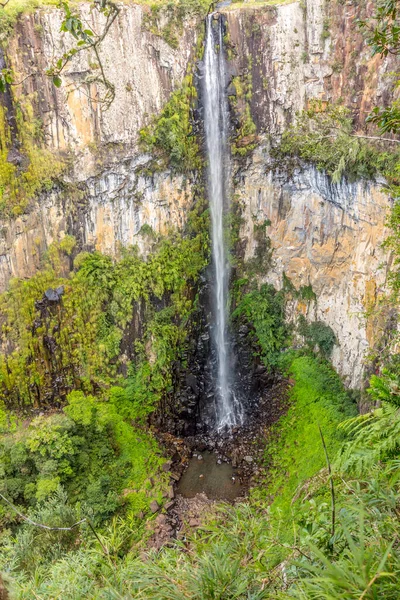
[10, 12]
[305, 292]
[74, 343]
[322, 135]
[244, 140]
[96, 356]
[38, 170]
[84, 39]
[317, 400]
[382, 34]
[172, 15]
[317, 335]
[264, 309]
[286, 550]
[261, 261]
[170, 136]
[89, 453]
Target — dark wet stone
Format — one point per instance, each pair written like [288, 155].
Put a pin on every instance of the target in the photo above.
[191, 381]
[15, 157]
[52, 295]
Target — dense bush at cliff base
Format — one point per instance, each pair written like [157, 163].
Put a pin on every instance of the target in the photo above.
[88, 355]
[287, 549]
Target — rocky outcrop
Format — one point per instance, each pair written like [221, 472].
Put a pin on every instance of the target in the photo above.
[299, 51]
[107, 212]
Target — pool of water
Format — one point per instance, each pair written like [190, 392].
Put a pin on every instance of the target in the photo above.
[217, 482]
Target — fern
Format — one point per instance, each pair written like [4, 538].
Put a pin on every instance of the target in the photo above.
[373, 437]
[386, 388]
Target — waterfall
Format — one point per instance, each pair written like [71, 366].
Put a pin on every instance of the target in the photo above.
[216, 135]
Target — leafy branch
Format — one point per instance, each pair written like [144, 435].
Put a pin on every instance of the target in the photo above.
[382, 32]
[50, 528]
[86, 40]
[383, 29]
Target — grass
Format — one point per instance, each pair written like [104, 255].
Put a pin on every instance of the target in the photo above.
[255, 4]
[10, 13]
[317, 399]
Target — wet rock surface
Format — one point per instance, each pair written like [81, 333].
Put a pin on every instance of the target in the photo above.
[190, 410]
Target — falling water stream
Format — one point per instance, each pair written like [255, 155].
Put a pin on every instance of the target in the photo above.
[227, 407]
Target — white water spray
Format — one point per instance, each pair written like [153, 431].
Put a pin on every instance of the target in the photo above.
[228, 412]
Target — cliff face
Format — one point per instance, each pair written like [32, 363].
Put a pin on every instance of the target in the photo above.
[323, 234]
[143, 68]
[300, 51]
[329, 235]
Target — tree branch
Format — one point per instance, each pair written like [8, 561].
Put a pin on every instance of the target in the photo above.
[48, 528]
[373, 137]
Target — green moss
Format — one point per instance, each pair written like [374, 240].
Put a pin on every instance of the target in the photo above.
[305, 292]
[12, 10]
[39, 166]
[326, 29]
[239, 86]
[244, 141]
[167, 18]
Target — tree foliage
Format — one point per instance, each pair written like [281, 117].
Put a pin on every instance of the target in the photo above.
[74, 341]
[170, 135]
[382, 31]
[264, 310]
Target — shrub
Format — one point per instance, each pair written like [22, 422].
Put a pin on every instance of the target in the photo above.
[322, 135]
[264, 310]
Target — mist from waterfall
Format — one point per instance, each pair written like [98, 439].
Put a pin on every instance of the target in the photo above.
[216, 121]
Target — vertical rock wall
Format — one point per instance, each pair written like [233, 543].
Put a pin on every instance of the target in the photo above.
[327, 235]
